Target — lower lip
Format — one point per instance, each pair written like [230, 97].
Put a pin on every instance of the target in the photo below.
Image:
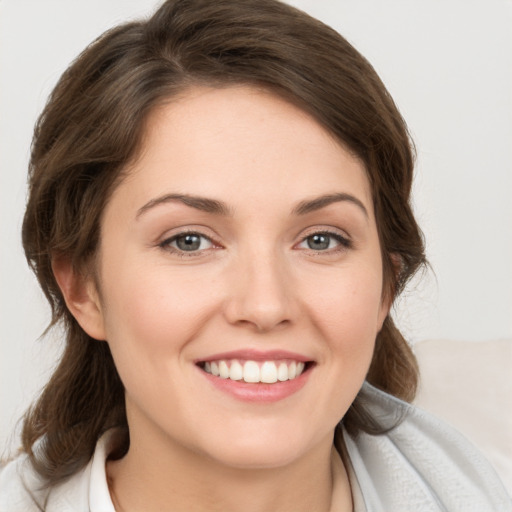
[258, 392]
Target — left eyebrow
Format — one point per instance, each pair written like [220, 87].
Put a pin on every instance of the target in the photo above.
[199, 203]
[318, 203]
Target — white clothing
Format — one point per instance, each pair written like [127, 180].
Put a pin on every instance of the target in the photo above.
[422, 465]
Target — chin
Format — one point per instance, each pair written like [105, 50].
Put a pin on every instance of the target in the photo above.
[257, 451]
[257, 458]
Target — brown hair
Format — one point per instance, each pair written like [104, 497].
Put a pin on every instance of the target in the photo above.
[92, 127]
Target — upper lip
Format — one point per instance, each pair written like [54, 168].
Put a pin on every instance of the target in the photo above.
[256, 355]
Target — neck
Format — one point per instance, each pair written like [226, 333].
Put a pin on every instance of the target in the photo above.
[154, 478]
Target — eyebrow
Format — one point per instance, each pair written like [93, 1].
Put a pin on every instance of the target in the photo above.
[318, 203]
[199, 203]
[219, 208]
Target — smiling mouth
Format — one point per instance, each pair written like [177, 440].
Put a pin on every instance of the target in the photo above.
[267, 372]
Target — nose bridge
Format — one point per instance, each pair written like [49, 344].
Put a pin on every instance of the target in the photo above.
[260, 293]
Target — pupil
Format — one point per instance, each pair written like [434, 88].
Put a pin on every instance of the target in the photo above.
[317, 242]
[188, 242]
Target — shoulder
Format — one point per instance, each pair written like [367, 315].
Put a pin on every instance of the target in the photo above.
[421, 464]
[20, 488]
[23, 490]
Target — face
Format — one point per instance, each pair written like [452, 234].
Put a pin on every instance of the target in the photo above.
[240, 279]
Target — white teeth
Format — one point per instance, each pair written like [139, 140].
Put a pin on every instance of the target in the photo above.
[236, 372]
[251, 372]
[223, 370]
[282, 372]
[267, 372]
[292, 370]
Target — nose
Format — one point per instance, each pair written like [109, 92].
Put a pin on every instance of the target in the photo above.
[261, 294]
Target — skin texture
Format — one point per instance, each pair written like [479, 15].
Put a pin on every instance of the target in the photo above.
[254, 283]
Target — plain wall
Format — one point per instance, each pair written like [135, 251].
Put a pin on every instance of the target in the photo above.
[448, 66]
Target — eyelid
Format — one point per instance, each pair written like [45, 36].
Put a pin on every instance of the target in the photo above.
[344, 240]
[165, 241]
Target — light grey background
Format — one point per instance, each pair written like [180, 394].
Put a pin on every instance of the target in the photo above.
[448, 64]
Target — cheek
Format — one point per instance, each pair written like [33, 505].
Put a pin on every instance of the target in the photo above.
[347, 319]
[151, 311]
[150, 318]
[349, 306]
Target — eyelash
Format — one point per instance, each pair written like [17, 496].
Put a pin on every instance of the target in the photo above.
[166, 244]
[344, 243]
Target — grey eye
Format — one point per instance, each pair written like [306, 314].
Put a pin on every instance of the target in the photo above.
[319, 242]
[189, 242]
[324, 242]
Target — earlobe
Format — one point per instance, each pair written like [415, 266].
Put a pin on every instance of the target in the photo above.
[81, 296]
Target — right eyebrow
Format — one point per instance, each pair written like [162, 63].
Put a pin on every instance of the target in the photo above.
[321, 202]
[199, 203]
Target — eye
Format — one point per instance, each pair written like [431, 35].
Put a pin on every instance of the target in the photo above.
[324, 241]
[187, 242]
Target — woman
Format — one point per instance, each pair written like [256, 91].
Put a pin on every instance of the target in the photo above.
[219, 215]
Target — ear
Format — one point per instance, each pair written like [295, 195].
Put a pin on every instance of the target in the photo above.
[81, 297]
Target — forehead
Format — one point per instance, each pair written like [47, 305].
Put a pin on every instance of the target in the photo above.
[213, 141]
